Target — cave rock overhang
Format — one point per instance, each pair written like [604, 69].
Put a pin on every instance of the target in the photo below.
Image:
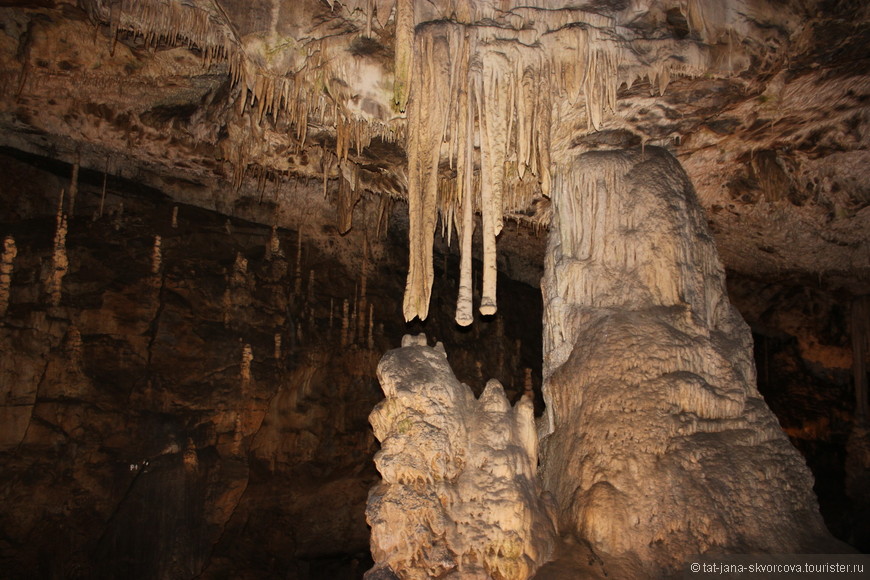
[457, 107]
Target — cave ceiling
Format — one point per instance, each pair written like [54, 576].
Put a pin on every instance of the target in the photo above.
[310, 105]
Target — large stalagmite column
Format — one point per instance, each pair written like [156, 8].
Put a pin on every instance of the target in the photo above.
[657, 444]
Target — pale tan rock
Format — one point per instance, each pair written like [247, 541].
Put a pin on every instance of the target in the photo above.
[459, 497]
[658, 445]
[245, 367]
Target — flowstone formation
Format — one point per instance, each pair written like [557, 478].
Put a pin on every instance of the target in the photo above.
[459, 497]
[657, 443]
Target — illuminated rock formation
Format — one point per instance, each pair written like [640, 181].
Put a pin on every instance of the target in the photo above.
[6, 262]
[459, 497]
[59, 264]
[658, 445]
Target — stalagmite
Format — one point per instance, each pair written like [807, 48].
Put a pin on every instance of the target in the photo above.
[649, 381]
[174, 222]
[245, 367]
[459, 497]
[6, 263]
[59, 262]
[156, 256]
[277, 352]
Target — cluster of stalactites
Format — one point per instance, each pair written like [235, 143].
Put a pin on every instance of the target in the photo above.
[480, 99]
[302, 97]
[171, 23]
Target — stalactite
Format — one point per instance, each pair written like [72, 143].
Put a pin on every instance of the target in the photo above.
[861, 353]
[245, 367]
[103, 189]
[72, 345]
[297, 288]
[345, 323]
[275, 243]
[528, 386]
[493, 106]
[370, 342]
[156, 256]
[361, 309]
[363, 284]
[238, 434]
[227, 307]
[190, 458]
[426, 116]
[73, 187]
[349, 195]
[59, 261]
[10, 250]
[239, 277]
[353, 315]
[404, 52]
[465, 194]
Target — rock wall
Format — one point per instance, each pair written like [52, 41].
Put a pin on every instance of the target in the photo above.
[804, 337]
[197, 403]
[460, 497]
[657, 443]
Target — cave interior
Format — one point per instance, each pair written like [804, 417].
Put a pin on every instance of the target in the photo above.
[218, 216]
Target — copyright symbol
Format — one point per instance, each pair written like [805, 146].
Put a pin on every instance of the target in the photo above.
[696, 567]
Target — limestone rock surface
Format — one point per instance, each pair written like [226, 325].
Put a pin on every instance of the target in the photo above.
[659, 445]
[459, 496]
